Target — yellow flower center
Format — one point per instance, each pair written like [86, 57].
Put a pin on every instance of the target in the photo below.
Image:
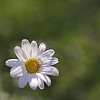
[32, 65]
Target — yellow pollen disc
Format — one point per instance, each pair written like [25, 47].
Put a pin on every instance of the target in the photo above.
[32, 65]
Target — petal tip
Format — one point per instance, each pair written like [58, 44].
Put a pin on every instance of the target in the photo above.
[33, 42]
[20, 86]
[11, 74]
[42, 88]
[48, 85]
[16, 48]
[6, 63]
[25, 41]
[56, 72]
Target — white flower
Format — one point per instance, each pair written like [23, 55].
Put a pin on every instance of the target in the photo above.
[33, 65]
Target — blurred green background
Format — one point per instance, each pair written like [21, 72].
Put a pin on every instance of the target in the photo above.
[71, 28]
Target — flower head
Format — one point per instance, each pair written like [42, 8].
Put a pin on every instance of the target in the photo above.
[33, 65]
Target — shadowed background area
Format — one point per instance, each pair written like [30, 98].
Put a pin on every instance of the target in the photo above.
[71, 28]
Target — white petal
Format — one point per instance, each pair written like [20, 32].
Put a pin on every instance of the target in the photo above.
[44, 59]
[22, 81]
[45, 78]
[16, 71]
[47, 54]
[20, 54]
[26, 47]
[42, 48]
[51, 61]
[49, 71]
[32, 79]
[40, 83]
[41, 76]
[33, 49]
[48, 80]
[14, 63]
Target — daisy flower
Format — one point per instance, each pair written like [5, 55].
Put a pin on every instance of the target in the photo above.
[33, 65]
